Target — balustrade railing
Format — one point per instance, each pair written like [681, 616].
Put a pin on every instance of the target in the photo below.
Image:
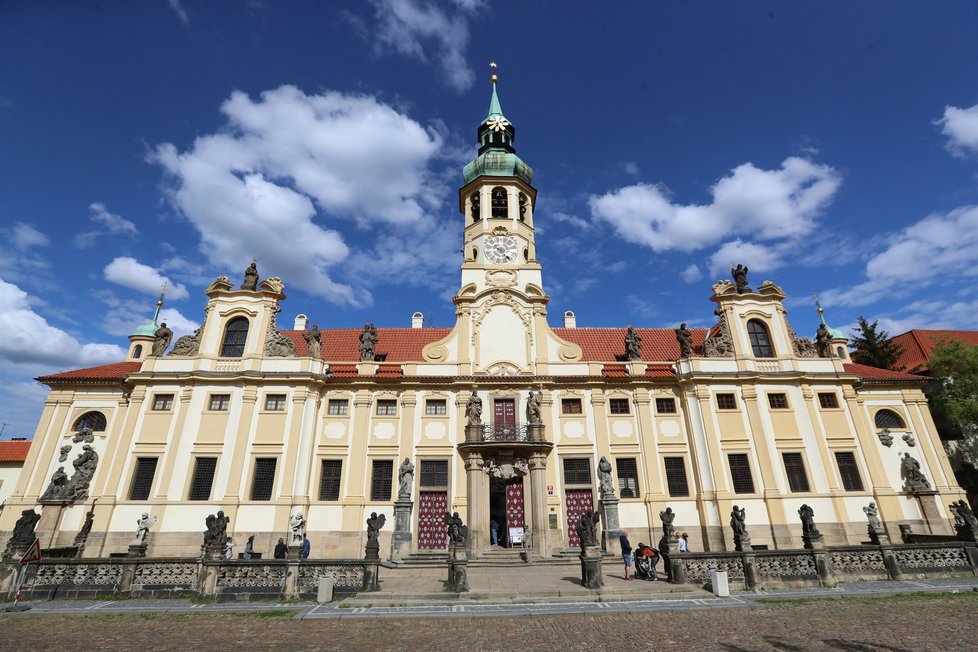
[505, 432]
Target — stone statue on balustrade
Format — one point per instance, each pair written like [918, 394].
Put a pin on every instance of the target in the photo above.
[913, 478]
[874, 525]
[458, 532]
[965, 523]
[605, 482]
[23, 535]
[738, 523]
[684, 337]
[473, 410]
[161, 340]
[533, 415]
[314, 341]
[809, 532]
[405, 479]
[251, 277]
[143, 524]
[668, 529]
[297, 529]
[633, 345]
[587, 529]
[216, 534]
[374, 525]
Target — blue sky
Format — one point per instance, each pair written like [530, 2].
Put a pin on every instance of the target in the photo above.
[830, 146]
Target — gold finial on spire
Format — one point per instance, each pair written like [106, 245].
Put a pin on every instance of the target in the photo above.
[493, 76]
[159, 302]
[818, 305]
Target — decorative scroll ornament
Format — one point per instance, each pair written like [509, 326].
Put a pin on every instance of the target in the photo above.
[721, 344]
[278, 345]
[803, 346]
[187, 345]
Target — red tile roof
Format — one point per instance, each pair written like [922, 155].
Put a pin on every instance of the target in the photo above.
[876, 374]
[660, 371]
[14, 451]
[918, 345]
[606, 344]
[614, 371]
[114, 371]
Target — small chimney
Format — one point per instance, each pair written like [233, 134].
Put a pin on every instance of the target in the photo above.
[570, 320]
[417, 320]
[301, 323]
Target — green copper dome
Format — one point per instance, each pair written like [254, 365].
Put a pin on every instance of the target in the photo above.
[146, 329]
[497, 156]
[497, 164]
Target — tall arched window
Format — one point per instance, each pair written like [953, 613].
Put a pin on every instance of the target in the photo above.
[760, 341]
[235, 336]
[93, 420]
[889, 419]
[500, 202]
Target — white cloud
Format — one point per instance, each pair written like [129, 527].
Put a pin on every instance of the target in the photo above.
[20, 262]
[179, 11]
[961, 128]
[28, 338]
[749, 202]
[573, 220]
[130, 273]
[409, 26]
[938, 248]
[630, 167]
[111, 224]
[692, 273]
[255, 189]
[759, 258]
[24, 237]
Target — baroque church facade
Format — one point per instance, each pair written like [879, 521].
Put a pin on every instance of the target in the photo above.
[518, 425]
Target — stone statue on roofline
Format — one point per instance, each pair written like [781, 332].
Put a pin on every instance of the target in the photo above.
[368, 343]
[684, 337]
[739, 274]
[633, 345]
[161, 339]
[251, 277]
[314, 341]
[823, 341]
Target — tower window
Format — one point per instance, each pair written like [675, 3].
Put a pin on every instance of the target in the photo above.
[524, 202]
[235, 336]
[760, 341]
[475, 206]
[137, 351]
[500, 202]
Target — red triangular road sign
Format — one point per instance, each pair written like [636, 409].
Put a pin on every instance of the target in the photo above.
[33, 553]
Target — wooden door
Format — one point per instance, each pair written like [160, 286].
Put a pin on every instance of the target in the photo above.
[514, 507]
[578, 502]
[432, 533]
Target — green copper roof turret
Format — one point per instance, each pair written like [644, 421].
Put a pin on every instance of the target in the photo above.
[497, 156]
[494, 108]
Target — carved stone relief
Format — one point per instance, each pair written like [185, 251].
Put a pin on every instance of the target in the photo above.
[721, 344]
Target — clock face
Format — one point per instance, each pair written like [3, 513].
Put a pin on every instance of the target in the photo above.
[500, 249]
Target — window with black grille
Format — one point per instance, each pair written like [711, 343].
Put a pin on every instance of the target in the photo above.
[381, 479]
[665, 405]
[93, 420]
[726, 401]
[275, 402]
[760, 341]
[743, 482]
[618, 405]
[794, 466]
[571, 406]
[219, 402]
[849, 471]
[235, 336]
[142, 479]
[329, 481]
[338, 406]
[883, 418]
[627, 477]
[163, 402]
[778, 401]
[264, 478]
[676, 476]
[828, 400]
[386, 408]
[436, 407]
[434, 474]
[577, 471]
[203, 478]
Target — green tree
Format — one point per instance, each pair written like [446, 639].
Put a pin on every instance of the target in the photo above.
[954, 399]
[873, 346]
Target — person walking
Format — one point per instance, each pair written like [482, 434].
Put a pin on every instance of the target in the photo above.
[249, 547]
[306, 548]
[626, 554]
[281, 549]
[684, 543]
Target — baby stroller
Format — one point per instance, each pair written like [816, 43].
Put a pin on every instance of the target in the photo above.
[645, 566]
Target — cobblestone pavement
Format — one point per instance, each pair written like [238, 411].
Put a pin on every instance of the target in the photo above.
[910, 623]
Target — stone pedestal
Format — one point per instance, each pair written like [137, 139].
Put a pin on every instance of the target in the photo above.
[47, 527]
[591, 575]
[742, 544]
[291, 589]
[535, 432]
[473, 434]
[610, 530]
[936, 524]
[890, 561]
[137, 550]
[214, 553]
[294, 552]
[401, 539]
[677, 572]
[372, 551]
[458, 578]
[750, 570]
[371, 577]
[878, 536]
[813, 542]
[823, 563]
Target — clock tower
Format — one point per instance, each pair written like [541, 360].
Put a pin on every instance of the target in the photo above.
[501, 308]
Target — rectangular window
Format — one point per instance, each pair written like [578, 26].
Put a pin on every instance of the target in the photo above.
[275, 402]
[743, 482]
[627, 477]
[828, 400]
[794, 466]
[203, 478]
[436, 407]
[726, 402]
[380, 481]
[338, 406]
[571, 406]
[163, 402]
[329, 481]
[264, 478]
[219, 402]
[849, 471]
[665, 405]
[142, 479]
[386, 408]
[676, 476]
[619, 406]
[577, 471]
[778, 401]
[434, 474]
